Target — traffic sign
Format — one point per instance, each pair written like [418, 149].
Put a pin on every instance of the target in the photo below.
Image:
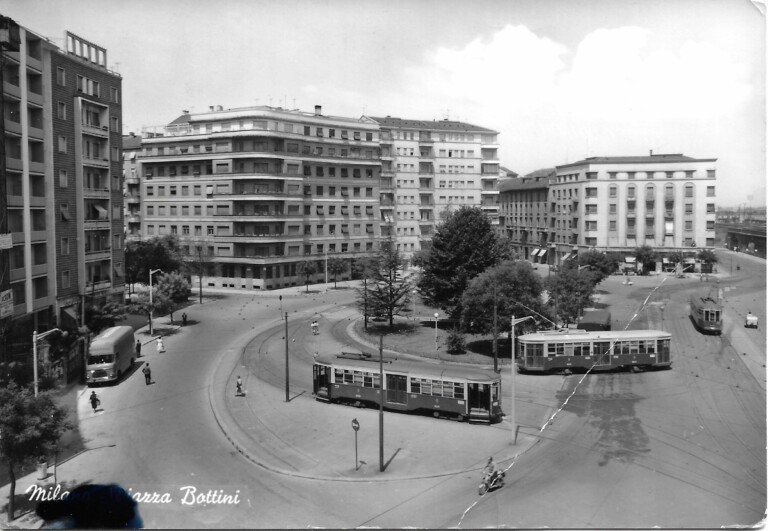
[355, 425]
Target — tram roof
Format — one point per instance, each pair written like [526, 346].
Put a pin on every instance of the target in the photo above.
[583, 335]
[410, 367]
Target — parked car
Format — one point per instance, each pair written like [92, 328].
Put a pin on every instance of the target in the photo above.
[750, 321]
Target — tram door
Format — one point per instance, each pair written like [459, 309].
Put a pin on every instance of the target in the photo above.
[479, 396]
[396, 389]
[602, 351]
[321, 379]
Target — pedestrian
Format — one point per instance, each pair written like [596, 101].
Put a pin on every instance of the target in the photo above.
[138, 348]
[160, 346]
[239, 387]
[95, 402]
[147, 374]
[183, 319]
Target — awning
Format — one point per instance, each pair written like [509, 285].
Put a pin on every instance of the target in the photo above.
[665, 260]
[209, 190]
[689, 260]
[535, 252]
[119, 270]
[103, 214]
[543, 253]
[630, 259]
[70, 310]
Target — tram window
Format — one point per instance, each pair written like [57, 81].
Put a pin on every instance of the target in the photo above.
[633, 346]
[367, 380]
[555, 349]
[338, 375]
[358, 378]
[534, 349]
[377, 381]
[448, 389]
[494, 392]
[650, 346]
[426, 387]
[348, 377]
[458, 391]
[568, 349]
[415, 385]
[437, 388]
[581, 349]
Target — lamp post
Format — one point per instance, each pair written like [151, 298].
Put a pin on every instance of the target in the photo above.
[414, 305]
[436, 316]
[512, 385]
[151, 307]
[35, 338]
[326, 267]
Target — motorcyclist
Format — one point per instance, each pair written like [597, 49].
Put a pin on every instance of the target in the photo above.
[489, 470]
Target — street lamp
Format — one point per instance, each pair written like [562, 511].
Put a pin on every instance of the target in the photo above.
[512, 385]
[414, 305]
[436, 316]
[326, 267]
[151, 307]
[35, 338]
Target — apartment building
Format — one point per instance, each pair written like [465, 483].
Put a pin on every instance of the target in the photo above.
[524, 214]
[665, 201]
[254, 192]
[430, 167]
[62, 183]
[131, 144]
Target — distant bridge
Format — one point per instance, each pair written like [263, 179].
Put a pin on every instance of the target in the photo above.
[748, 238]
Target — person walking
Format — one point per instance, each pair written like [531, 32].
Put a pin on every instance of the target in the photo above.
[138, 348]
[147, 374]
[95, 402]
[239, 387]
[160, 346]
[184, 319]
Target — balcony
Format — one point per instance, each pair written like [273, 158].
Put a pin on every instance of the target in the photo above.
[133, 218]
[101, 131]
[132, 199]
[96, 193]
[95, 162]
[133, 179]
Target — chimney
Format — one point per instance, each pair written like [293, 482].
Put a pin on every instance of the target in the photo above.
[318, 110]
[210, 108]
[219, 108]
[184, 112]
[651, 153]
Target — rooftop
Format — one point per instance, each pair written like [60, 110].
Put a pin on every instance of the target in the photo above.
[434, 125]
[643, 159]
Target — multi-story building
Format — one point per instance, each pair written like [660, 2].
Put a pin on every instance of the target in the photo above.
[665, 201]
[524, 214]
[132, 188]
[253, 192]
[62, 182]
[429, 167]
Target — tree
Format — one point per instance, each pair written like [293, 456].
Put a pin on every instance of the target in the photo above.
[571, 290]
[365, 268]
[198, 261]
[603, 264]
[306, 269]
[141, 303]
[30, 428]
[336, 266]
[162, 252]
[383, 293]
[707, 256]
[646, 256]
[98, 318]
[174, 288]
[455, 343]
[464, 245]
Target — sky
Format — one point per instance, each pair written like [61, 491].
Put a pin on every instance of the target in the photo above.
[560, 80]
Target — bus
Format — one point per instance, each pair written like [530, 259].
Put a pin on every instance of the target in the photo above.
[110, 354]
[707, 314]
[579, 350]
[448, 391]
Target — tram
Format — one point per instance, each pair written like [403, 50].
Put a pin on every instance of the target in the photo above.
[580, 350]
[460, 393]
[707, 314]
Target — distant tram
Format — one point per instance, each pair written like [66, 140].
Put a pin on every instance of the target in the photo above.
[460, 393]
[707, 314]
[569, 350]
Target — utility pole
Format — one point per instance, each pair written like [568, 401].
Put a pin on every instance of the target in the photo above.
[287, 391]
[381, 404]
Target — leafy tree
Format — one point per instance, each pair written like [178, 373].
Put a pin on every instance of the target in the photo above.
[365, 269]
[174, 288]
[601, 263]
[141, 303]
[455, 343]
[198, 261]
[162, 252]
[571, 291]
[464, 245]
[388, 295]
[30, 428]
[646, 255]
[707, 256]
[336, 266]
[675, 257]
[418, 258]
[306, 269]
[98, 318]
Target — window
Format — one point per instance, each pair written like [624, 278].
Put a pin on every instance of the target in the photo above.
[62, 111]
[61, 77]
[114, 94]
[710, 191]
[63, 178]
[65, 279]
[612, 225]
[589, 192]
[612, 191]
[689, 208]
[62, 144]
[710, 208]
[64, 210]
[689, 190]
[65, 246]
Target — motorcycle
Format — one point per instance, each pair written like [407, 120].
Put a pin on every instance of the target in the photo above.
[492, 481]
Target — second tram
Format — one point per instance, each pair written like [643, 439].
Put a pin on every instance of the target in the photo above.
[707, 314]
[569, 350]
[461, 393]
